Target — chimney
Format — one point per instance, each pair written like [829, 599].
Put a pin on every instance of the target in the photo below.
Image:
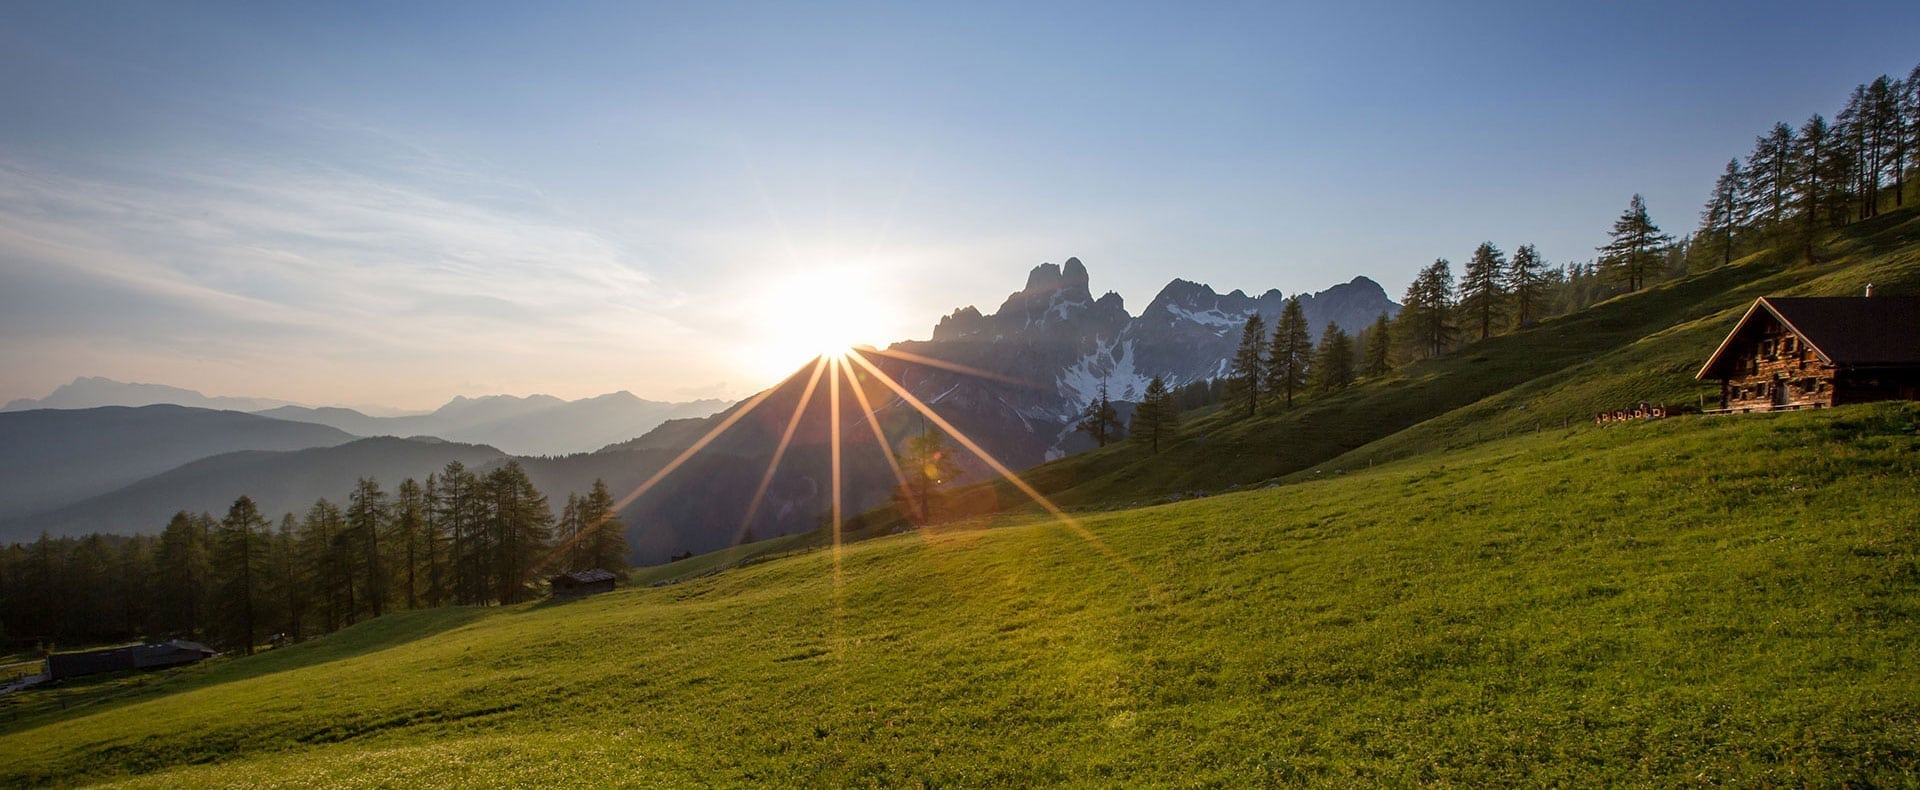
[1869, 289]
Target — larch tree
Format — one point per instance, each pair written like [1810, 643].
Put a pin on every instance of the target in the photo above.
[1245, 370]
[1378, 357]
[1426, 313]
[183, 575]
[1290, 355]
[289, 575]
[1333, 360]
[1769, 172]
[460, 511]
[1814, 178]
[520, 524]
[1155, 417]
[1635, 247]
[406, 535]
[1483, 293]
[1099, 421]
[1526, 285]
[366, 519]
[321, 549]
[239, 559]
[606, 541]
[1724, 212]
[439, 574]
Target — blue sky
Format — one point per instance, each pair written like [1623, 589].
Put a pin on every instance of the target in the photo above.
[400, 202]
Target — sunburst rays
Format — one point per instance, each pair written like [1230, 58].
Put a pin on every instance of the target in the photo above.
[844, 366]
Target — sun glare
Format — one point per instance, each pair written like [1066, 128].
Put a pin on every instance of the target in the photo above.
[816, 313]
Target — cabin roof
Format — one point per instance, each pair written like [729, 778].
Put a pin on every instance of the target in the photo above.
[1847, 331]
[586, 577]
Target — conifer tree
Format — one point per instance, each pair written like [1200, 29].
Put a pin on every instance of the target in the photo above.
[1333, 360]
[439, 573]
[1099, 421]
[1526, 284]
[1426, 312]
[606, 542]
[1155, 417]
[1291, 354]
[366, 519]
[1814, 178]
[1379, 352]
[1769, 171]
[183, 573]
[1723, 213]
[571, 533]
[520, 524]
[406, 535]
[1637, 246]
[460, 510]
[1882, 120]
[288, 575]
[1246, 368]
[1852, 142]
[1483, 294]
[238, 560]
[320, 547]
[1907, 127]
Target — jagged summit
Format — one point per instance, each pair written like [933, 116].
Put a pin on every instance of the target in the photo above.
[1054, 333]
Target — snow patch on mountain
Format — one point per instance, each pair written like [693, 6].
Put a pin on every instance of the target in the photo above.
[1213, 317]
[1111, 363]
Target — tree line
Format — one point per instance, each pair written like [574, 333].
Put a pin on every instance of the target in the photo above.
[461, 538]
[1797, 183]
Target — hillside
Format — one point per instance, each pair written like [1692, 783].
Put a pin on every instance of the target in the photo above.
[1695, 599]
[1643, 346]
[55, 457]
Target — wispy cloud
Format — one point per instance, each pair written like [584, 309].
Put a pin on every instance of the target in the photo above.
[302, 258]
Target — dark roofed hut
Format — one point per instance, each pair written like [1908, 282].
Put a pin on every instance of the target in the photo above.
[578, 584]
[1814, 352]
[61, 666]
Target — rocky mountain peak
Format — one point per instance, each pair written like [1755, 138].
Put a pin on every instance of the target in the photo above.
[1044, 277]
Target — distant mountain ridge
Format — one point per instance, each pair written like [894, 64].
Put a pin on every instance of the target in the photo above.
[285, 481]
[51, 457]
[89, 392]
[533, 425]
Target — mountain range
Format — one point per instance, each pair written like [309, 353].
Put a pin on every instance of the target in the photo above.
[533, 425]
[53, 457]
[1035, 362]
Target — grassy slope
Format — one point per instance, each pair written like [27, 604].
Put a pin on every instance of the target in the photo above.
[1695, 599]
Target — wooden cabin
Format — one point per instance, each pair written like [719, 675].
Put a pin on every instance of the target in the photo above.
[579, 584]
[156, 655]
[1814, 352]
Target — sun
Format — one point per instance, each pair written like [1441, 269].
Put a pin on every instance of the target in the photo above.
[816, 312]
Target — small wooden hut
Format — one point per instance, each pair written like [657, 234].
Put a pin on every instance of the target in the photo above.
[577, 584]
[61, 666]
[1814, 352]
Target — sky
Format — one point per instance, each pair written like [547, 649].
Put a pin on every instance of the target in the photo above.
[397, 203]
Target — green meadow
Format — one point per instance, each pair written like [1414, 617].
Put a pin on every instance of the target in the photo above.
[1701, 599]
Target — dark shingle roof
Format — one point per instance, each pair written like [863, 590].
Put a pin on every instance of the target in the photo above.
[587, 577]
[1848, 331]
